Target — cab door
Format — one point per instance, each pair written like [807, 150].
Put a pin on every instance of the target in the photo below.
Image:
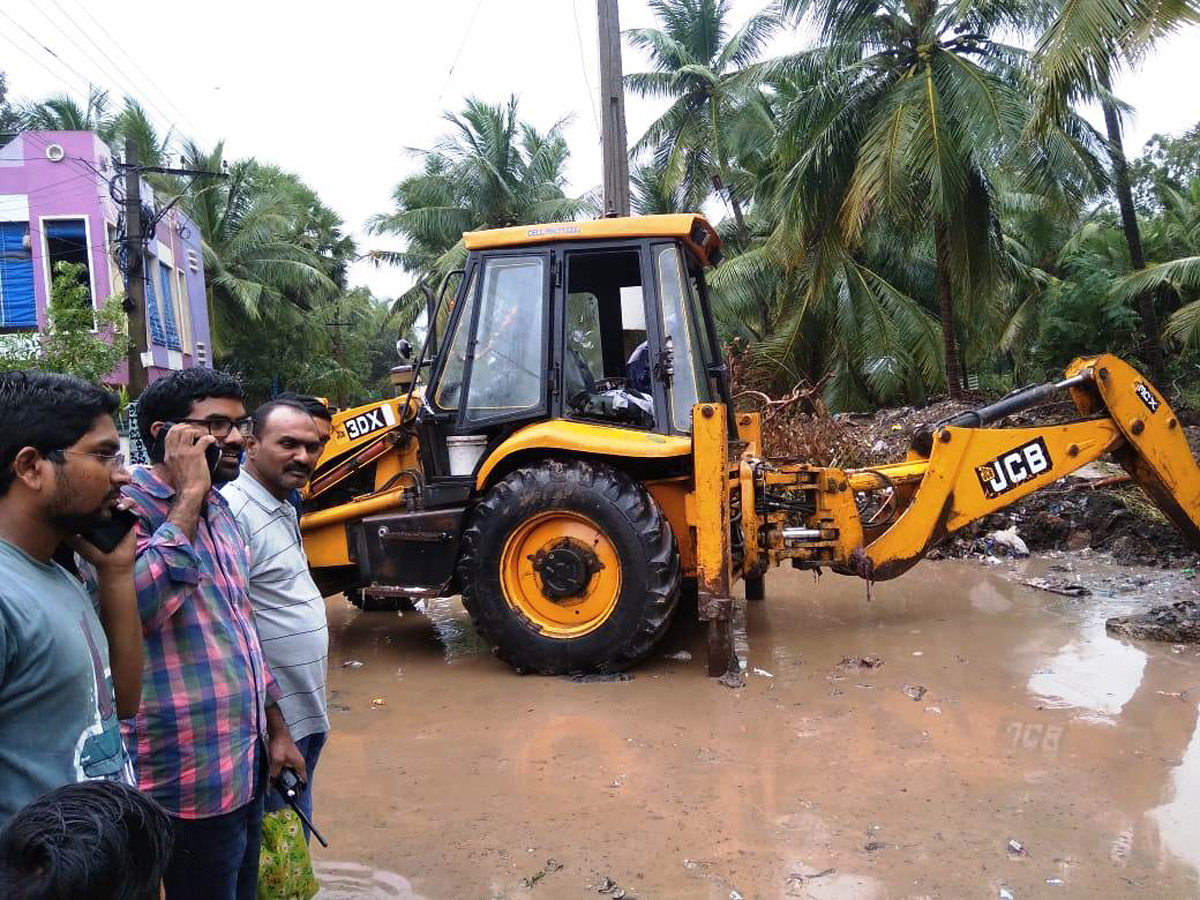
[492, 376]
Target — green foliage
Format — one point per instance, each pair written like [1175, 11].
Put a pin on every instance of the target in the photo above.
[78, 339]
[1081, 317]
[305, 351]
[490, 170]
[1167, 164]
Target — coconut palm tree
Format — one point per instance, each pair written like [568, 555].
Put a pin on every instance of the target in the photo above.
[697, 64]
[1085, 45]
[911, 108]
[258, 254]
[490, 170]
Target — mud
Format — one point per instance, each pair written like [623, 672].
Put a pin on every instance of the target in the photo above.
[821, 777]
[1177, 622]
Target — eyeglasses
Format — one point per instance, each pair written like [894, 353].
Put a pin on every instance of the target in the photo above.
[220, 427]
[112, 460]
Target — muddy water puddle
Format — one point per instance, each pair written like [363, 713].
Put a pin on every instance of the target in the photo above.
[998, 713]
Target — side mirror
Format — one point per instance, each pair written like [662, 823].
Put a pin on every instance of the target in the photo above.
[404, 349]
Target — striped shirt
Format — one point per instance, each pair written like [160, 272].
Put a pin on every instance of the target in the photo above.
[288, 607]
[196, 740]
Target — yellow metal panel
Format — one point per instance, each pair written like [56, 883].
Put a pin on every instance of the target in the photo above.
[749, 428]
[327, 546]
[672, 495]
[584, 437]
[670, 226]
[346, 435]
[709, 436]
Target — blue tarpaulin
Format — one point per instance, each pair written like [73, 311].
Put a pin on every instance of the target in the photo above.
[18, 309]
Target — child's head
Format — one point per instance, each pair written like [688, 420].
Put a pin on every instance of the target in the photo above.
[96, 839]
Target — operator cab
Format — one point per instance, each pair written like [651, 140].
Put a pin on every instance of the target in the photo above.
[604, 322]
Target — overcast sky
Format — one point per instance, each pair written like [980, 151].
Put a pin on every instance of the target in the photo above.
[337, 92]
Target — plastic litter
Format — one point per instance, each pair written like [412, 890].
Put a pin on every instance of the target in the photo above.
[681, 655]
[764, 673]
[1009, 539]
[352, 664]
[1016, 848]
[914, 691]
[1006, 894]
[378, 701]
[1055, 881]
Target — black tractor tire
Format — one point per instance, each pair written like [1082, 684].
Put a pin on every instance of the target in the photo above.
[628, 517]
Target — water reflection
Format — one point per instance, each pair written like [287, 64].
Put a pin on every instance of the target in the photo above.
[1093, 673]
[1179, 820]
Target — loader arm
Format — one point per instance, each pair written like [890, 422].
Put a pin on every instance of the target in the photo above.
[961, 470]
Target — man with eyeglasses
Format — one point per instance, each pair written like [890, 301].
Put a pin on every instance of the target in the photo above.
[66, 673]
[209, 726]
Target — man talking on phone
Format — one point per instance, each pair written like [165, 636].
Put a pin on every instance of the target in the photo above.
[66, 673]
[209, 727]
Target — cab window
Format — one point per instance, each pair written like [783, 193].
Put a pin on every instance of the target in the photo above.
[450, 383]
[678, 325]
[509, 369]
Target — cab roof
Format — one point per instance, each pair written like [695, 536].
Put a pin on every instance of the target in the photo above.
[694, 230]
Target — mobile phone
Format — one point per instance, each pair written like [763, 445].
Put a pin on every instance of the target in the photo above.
[106, 536]
[212, 452]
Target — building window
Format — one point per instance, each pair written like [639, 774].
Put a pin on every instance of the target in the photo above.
[184, 305]
[18, 309]
[66, 241]
[169, 305]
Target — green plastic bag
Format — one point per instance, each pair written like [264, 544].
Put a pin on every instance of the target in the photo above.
[285, 869]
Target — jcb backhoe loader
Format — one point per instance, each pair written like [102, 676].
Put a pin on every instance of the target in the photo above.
[569, 455]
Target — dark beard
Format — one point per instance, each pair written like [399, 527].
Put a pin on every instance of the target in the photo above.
[65, 514]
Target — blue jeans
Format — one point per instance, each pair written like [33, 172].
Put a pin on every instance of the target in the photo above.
[217, 858]
[310, 748]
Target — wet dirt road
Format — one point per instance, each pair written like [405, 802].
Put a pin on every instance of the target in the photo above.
[818, 780]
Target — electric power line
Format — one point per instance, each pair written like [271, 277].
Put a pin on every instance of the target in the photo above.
[41, 44]
[149, 80]
[586, 80]
[462, 46]
[124, 86]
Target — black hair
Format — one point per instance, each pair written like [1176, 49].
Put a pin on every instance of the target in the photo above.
[315, 407]
[170, 399]
[86, 841]
[263, 412]
[46, 411]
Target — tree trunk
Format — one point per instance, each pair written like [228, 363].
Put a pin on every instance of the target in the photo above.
[946, 309]
[1151, 330]
[723, 162]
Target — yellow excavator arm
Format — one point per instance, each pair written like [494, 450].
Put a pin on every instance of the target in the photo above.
[961, 470]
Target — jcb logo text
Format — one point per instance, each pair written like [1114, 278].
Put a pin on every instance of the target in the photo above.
[1011, 469]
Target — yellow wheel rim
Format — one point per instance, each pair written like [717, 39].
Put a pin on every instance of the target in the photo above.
[561, 572]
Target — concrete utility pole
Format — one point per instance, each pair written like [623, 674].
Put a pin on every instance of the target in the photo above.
[135, 264]
[612, 112]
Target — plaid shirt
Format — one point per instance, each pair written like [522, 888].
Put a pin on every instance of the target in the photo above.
[195, 740]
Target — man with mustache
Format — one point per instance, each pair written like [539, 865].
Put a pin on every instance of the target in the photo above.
[209, 724]
[288, 608]
[68, 668]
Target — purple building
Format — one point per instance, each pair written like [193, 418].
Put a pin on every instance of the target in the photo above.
[55, 205]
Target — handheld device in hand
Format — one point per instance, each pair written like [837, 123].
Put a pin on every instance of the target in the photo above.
[290, 787]
[107, 536]
[212, 452]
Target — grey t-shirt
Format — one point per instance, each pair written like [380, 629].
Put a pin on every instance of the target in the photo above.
[58, 717]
